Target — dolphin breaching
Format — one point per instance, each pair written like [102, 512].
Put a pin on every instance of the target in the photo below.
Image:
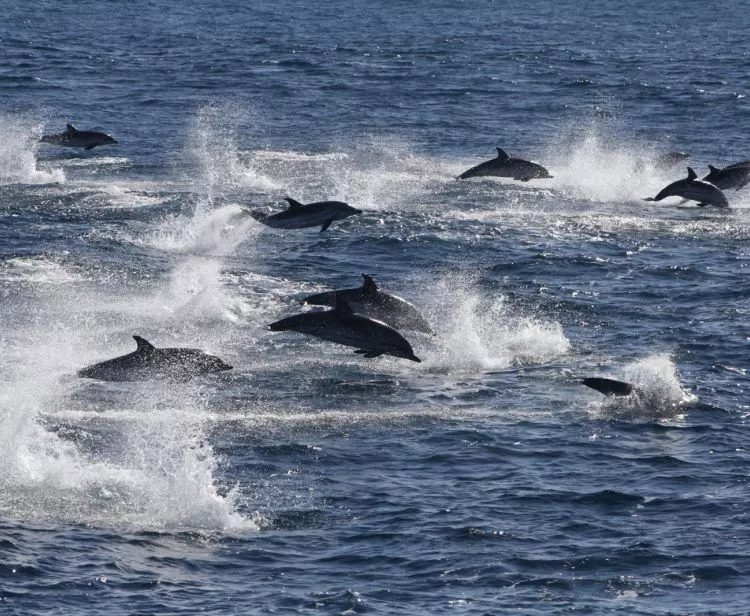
[735, 176]
[504, 166]
[370, 337]
[74, 138]
[300, 215]
[150, 363]
[370, 301]
[693, 189]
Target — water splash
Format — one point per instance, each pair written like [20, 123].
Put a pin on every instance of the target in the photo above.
[18, 150]
[484, 334]
[658, 393]
[598, 162]
[213, 145]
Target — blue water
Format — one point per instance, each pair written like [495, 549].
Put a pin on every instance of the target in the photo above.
[309, 480]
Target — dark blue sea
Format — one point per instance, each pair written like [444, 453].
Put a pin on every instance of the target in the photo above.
[310, 480]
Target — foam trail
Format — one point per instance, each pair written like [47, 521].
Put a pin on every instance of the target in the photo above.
[18, 149]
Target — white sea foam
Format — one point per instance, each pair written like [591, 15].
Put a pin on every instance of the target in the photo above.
[37, 270]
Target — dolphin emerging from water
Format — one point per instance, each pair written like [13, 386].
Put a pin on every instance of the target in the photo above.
[370, 337]
[299, 215]
[74, 138]
[370, 301]
[609, 387]
[694, 189]
[149, 363]
[506, 167]
[732, 176]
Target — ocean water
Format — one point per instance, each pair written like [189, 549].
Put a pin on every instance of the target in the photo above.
[309, 480]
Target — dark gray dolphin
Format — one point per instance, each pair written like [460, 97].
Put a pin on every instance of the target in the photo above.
[149, 363]
[694, 189]
[370, 301]
[370, 337]
[299, 215]
[732, 176]
[609, 387]
[504, 166]
[74, 138]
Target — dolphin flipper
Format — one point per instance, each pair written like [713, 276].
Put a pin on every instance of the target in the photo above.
[368, 353]
[326, 224]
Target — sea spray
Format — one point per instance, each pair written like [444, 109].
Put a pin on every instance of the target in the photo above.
[18, 152]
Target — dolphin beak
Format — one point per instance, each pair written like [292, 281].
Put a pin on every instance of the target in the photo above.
[414, 358]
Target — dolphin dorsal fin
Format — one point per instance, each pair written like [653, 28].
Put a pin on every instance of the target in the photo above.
[691, 174]
[69, 128]
[370, 287]
[713, 169]
[501, 154]
[144, 346]
[342, 306]
[293, 203]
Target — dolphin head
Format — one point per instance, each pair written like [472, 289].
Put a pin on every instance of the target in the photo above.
[216, 364]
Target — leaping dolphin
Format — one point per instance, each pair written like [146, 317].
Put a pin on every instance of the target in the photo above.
[506, 167]
[149, 363]
[370, 301]
[74, 138]
[299, 215]
[608, 387]
[370, 337]
[694, 189]
[732, 176]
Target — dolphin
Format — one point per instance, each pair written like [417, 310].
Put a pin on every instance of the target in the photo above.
[74, 138]
[368, 300]
[609, 387]
[506, 167]
[299, 215]
[660, 162]
[694, 189]
[732, 176]
[670, 159]
[370, 337]
[149, 363]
